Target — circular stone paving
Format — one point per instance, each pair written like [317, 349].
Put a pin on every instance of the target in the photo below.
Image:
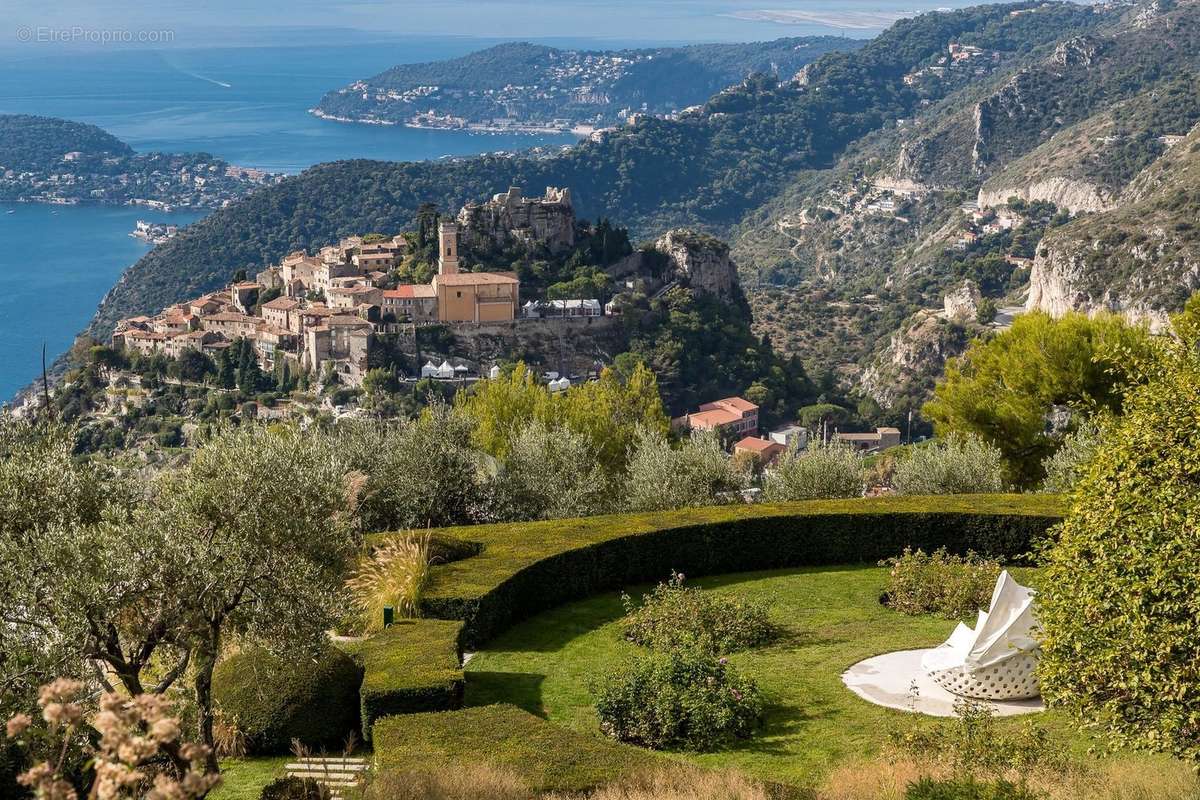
[888, 680]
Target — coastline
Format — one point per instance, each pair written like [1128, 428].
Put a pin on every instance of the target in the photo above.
[582, 131]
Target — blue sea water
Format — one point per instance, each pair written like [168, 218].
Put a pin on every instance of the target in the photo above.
[246, 105]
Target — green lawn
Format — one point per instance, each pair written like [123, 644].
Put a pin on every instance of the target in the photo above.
[830, 618]
[244, 778]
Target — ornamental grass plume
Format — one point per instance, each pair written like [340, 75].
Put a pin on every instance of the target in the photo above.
[137, 739]
[394, 575]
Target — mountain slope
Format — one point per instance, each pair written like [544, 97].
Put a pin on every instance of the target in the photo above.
[709, 167]
[536, 85]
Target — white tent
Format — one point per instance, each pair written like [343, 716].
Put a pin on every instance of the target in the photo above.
[562, 384]
[494, 372]
[446, 370]
[997, 660]
[430, 370]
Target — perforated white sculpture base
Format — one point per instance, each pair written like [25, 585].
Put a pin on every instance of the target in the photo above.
[885, 680]
[1012, 679]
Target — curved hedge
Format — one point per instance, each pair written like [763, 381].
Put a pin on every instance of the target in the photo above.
[411, 666]
[525, 568]
[274, 700]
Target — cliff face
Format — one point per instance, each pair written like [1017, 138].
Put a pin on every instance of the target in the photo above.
[913, 359]
[548, 220]
[1071, 194]
[701, 260]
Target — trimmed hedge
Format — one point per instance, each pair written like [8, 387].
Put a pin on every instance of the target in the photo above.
[274, 701]
[525, 568]
[410, 667]
[548, 757]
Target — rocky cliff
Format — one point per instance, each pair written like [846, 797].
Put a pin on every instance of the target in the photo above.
[702, 260]
[547, 221]
[914, 358]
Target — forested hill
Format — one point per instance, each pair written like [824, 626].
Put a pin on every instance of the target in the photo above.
[534, 84]
[708, 168]
[34, 144]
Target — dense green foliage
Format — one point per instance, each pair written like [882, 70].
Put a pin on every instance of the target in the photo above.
[479, 86]
[1121, 611]
[273, 700]
[954, 586]
[547, 756]
[411, 666]
[674, 616]
[685, 698]
[36, 144]
[1003, 388]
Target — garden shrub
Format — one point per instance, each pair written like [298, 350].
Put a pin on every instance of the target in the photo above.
[1120, 604]
[412, 666]
[393, 575]
[293, 788]
[957, 464]
[1066, 466]
[550, 473]
[973, 744]
[273, 700]
[967, 788]
[686, 699]
[674, 615]
[823, 471]
[949, 585]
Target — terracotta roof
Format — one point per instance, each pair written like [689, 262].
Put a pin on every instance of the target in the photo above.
[409, 290]
[737, 403]
[246, 285]
[712, 418]
[282, 304]
[756, 444]
[475, 279]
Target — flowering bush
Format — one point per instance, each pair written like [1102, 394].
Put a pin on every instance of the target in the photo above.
[138, 754]
[952, 586]
[674, 615]
[680, 699]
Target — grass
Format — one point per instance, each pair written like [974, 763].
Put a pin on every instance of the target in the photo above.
[244, 778]
[831, 618]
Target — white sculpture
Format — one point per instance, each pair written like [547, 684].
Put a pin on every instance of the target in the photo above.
[998, 659]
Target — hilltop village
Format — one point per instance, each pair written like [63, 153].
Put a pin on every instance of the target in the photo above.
[321, 312]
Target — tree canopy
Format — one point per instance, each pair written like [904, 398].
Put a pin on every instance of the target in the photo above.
[1005, 389]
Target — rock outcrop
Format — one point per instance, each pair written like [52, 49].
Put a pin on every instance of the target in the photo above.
[1067, 193]
[699, 259]
[913, 358]
[962, 304]
[548, 220]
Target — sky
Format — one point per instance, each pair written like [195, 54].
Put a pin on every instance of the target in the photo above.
[204, 23]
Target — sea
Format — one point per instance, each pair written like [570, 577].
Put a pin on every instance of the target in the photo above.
[249, 104]
[246, 105]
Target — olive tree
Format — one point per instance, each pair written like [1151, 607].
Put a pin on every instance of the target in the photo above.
[956, 464]
[1120, 603]
[821, 471]
[697, 473]
[550, 473]
[250, 539]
